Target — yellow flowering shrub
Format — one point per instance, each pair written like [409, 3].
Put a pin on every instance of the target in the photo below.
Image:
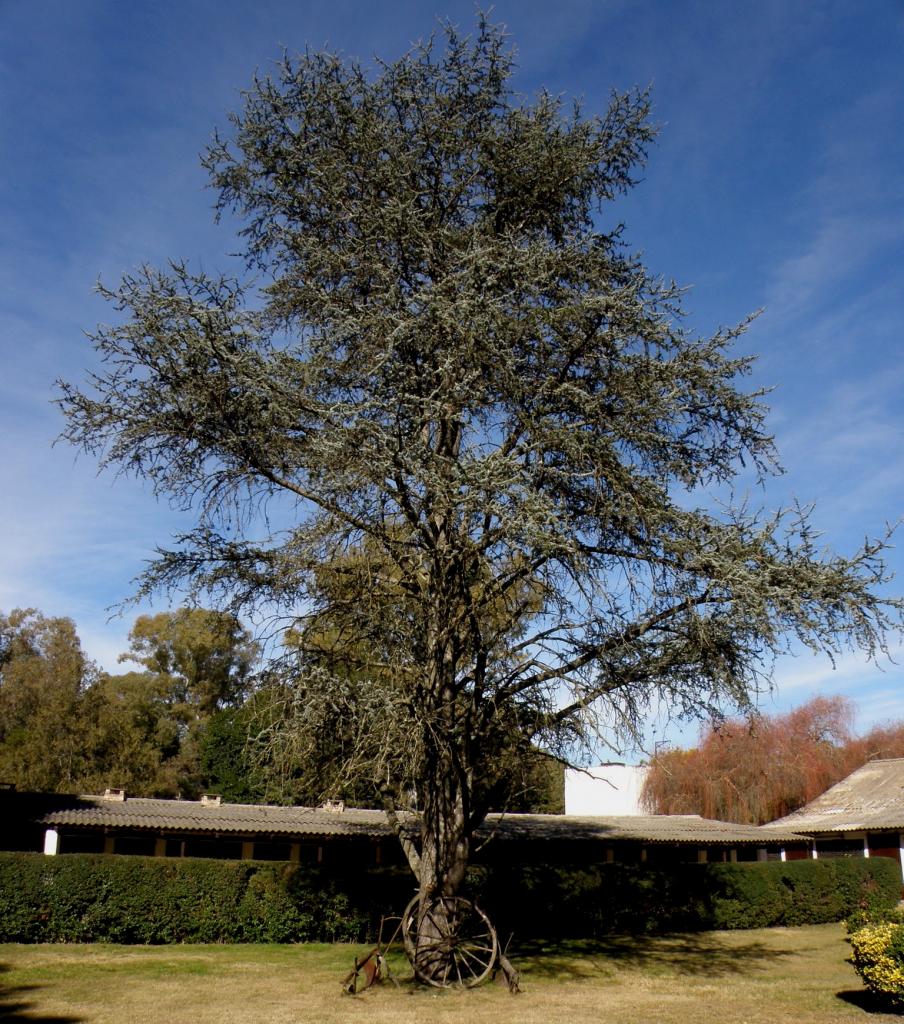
[878, 957]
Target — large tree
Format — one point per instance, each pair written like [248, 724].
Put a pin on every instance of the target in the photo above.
[44, 675]
[456, 370]
[761, 767]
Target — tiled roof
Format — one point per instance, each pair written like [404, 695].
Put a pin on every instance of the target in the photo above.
[138, 813]
[658, 828]
[194, 816]
[872, 797]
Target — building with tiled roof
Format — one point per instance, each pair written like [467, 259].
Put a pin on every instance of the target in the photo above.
[863, 815]
[117, 823]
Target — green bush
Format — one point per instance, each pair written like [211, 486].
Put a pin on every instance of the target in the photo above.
[103, 898]
[534, 900]
[97, 898]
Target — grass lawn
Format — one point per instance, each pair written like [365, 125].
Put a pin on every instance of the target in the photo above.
[753, 977]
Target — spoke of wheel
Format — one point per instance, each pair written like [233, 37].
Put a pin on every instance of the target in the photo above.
[480, 949]
[457, 970]
[466, 951]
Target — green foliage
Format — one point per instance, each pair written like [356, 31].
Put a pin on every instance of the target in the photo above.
[44, 677]
[81, 898]
[65, 727]
[205, 656]
[540, 900]
[224, 761]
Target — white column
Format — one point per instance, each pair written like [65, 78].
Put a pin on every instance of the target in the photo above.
[865, 845]
[783, 854]
[51, 842]
[901, 851]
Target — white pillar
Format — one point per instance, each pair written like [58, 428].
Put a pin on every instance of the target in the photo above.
[783, 854]
[901, 851]
[865, 845]
[51, 842]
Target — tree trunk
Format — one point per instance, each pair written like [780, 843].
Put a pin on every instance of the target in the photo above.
[444, 857]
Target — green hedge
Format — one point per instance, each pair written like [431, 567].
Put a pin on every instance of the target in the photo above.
[85, 898]
[533, 900]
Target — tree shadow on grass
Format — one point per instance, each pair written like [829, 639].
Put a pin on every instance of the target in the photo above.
[685, 954]
[17, 1005]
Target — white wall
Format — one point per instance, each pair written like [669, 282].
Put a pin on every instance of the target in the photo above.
[612, 789]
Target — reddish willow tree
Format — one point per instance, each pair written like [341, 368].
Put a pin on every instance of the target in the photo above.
[759, 768]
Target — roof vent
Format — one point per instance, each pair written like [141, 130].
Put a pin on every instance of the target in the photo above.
[333, 806]
[211, 800]
[114, 794]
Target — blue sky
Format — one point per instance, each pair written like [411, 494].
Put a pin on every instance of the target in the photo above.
[777, 183]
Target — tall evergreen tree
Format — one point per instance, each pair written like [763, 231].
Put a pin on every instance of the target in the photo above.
[457, 368]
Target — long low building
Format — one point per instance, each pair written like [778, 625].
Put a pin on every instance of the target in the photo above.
[333, 833]
[861, 816]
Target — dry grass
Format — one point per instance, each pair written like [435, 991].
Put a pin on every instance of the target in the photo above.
[756, 977]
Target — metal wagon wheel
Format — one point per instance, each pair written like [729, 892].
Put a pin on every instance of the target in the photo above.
[450, 943]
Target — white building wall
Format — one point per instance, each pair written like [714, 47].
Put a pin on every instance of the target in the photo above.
[610, 789]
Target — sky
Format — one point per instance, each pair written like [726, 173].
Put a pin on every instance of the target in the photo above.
[776, 184]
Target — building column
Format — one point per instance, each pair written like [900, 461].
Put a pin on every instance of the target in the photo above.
[51, 842]
[160, 846]
[247, 849]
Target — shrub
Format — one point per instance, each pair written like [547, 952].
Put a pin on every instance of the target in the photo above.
[878, 957]
[546, 900]
[97, 898]
[102, 898]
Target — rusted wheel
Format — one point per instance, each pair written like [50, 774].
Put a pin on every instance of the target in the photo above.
[450, 942]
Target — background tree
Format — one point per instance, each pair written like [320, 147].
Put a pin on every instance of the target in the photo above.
[208, 656]
[43, 676]
[198, 663]
[759, 768]
[457, 365]
[66, 727]
[132, 740]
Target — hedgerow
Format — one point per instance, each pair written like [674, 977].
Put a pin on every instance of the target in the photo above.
[105, 898]
[616, 898]
[97, 898]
